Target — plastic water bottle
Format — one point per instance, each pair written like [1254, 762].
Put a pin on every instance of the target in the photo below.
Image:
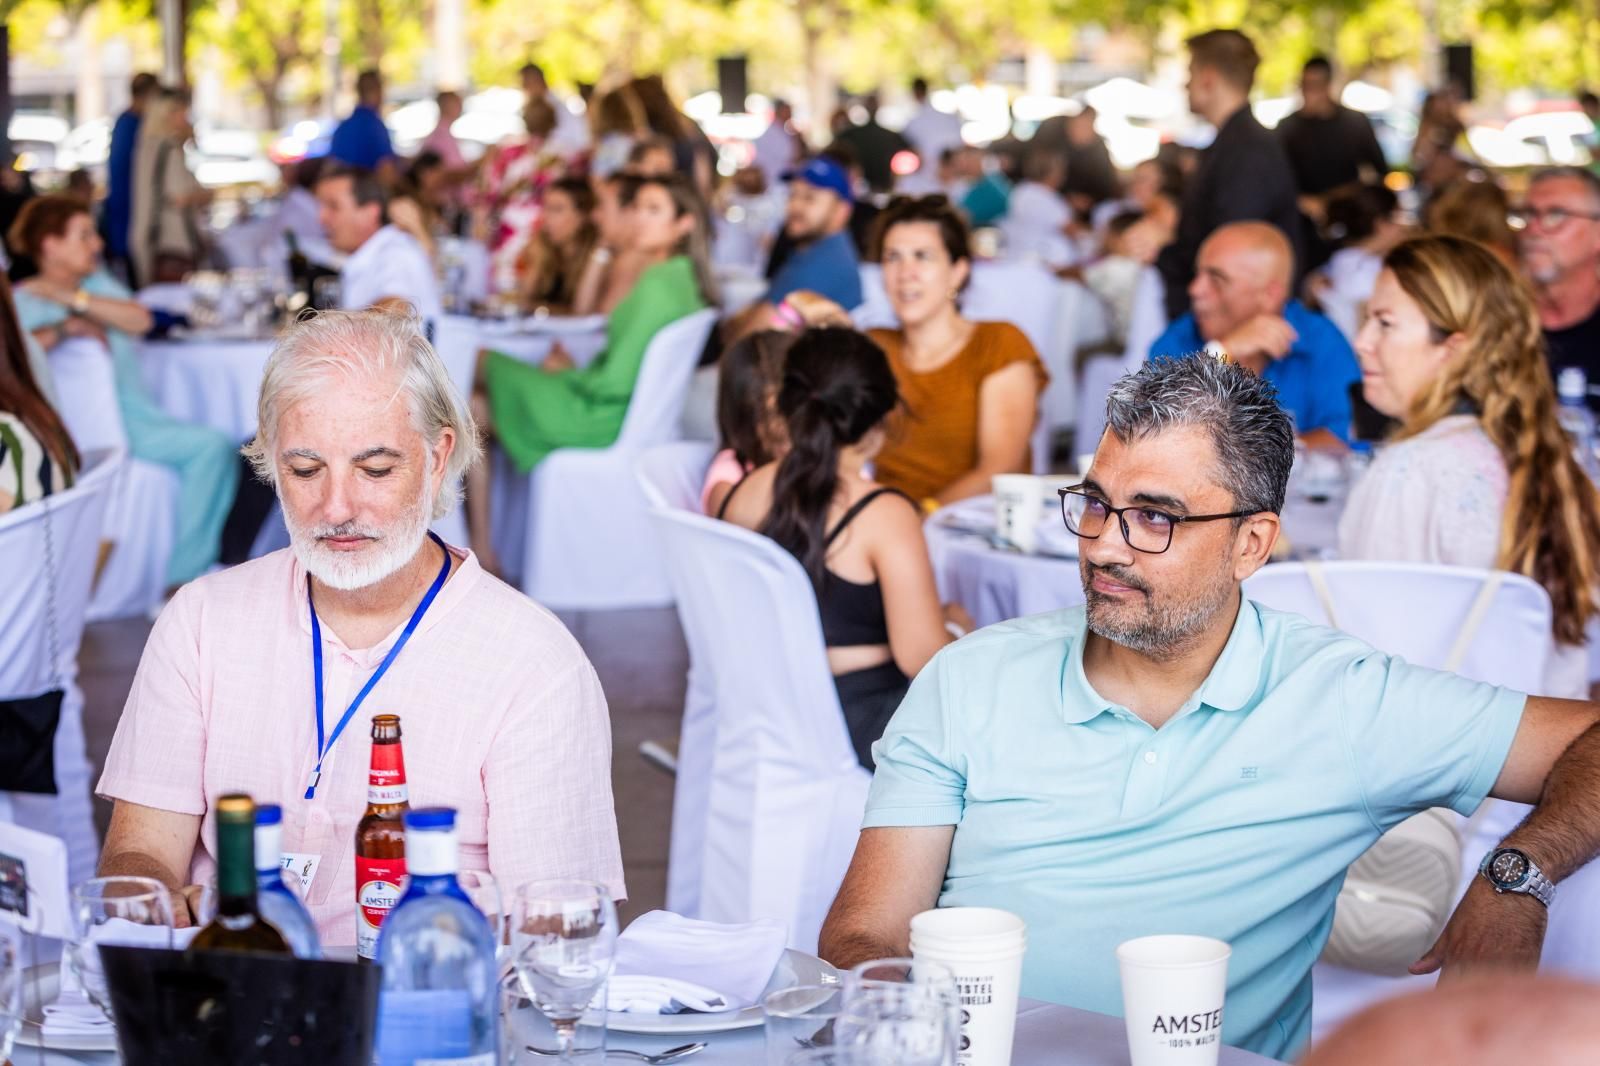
[274, 898]
[440, 1001]
[1572, 389]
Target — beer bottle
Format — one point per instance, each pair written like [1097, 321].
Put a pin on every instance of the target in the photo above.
[238, 925]
[381, 835]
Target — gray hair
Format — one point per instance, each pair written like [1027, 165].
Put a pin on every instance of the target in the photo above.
[346, 344]
[1253, 435]
[1589, 180]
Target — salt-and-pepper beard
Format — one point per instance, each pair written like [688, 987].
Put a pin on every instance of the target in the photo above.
[391, 548]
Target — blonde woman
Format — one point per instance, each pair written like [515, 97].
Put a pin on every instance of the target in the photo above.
[165, 236]
[1480, 473]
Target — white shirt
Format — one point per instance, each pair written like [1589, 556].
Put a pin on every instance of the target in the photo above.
[571, 134]
[391, 263]
[930, 132]
[1035, 225]
[1439, 498]
[775, 152]
[1352, 273]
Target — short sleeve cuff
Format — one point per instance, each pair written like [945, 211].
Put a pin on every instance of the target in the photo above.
[907, 817]
[1500, 726]
[149, 794]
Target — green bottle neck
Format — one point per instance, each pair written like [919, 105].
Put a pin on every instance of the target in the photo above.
[236, 868]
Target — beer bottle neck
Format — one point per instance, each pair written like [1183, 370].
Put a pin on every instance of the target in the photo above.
[386, 779]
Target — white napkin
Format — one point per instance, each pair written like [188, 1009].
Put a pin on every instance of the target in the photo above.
[73, 1015]
[667, 964]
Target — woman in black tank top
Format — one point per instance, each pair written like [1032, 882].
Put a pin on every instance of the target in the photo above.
[836, 393]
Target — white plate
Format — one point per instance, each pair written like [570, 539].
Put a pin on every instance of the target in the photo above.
[795, 968]
[41, 985]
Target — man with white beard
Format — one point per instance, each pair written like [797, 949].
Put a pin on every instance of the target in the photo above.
[264, 678]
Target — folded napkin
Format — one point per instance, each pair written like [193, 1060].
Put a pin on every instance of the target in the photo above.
[667, 964]
[73, 1016]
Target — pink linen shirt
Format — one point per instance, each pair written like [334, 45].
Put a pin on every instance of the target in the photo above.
[502, 718]
[442, 141]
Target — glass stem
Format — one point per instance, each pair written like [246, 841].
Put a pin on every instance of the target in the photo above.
[566, 1036]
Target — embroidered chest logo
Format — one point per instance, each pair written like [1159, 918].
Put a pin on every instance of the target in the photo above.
[1248, 773]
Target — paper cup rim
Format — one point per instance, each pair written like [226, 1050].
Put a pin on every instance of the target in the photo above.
[938, 916]
[1129, 952]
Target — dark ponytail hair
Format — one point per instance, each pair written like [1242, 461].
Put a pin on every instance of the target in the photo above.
[837, 387]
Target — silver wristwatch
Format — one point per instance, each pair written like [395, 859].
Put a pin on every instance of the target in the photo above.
[1510, 870]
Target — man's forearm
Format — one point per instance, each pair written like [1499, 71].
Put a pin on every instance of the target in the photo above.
[1563, 833]
[139, 864]
[845, 948]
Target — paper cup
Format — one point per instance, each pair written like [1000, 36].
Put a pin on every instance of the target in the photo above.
[1018, 507]
[984, 948]
[1173, 989]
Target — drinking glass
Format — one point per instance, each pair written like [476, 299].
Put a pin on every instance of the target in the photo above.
[484, 892]
[799, 1017]
[10, 991]
[527, 1036]
[903, 1012]
[326, 294]
[563, 944]
[827, 1056]
[115, 910]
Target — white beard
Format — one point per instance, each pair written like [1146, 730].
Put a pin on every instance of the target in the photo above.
[390, 550]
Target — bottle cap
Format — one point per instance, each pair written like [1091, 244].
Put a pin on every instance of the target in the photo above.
[269, 814]
[236, 807]
[431, 818]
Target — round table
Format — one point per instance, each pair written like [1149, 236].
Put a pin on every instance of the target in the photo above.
[208, 379]
[1047, 1035]
[996, 583]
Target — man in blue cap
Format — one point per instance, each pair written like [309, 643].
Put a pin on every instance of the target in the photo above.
[824, 261]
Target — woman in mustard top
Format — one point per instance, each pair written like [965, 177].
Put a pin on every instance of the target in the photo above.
[533, 410]
[970, 390]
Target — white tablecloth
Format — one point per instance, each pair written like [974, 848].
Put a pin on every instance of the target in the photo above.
[996, 584]
[1047, 1035]
[212, 381]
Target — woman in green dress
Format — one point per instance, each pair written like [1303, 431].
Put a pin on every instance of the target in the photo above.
[534, 409]
[72, 296]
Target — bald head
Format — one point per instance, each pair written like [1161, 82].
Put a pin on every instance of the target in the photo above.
[1244, 269]
[1484, 1021]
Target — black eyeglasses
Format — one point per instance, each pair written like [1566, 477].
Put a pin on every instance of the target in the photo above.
[1150, 531]
[1547, 218]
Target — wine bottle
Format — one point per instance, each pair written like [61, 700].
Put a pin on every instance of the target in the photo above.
[238, 925]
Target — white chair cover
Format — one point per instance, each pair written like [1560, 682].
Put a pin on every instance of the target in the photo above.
[141, 516]
[1147, 322]
[672, 475]
[67, 526]
[210, 382]
[769, 793]
[588, 543]
[1080, 321]
[1416, 612]
[874, 312]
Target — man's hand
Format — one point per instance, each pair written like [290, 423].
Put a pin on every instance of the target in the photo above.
[186, 906]
[1259, 339]
[1489, 930]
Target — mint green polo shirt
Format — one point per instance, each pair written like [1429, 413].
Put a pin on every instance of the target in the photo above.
[1236, 820]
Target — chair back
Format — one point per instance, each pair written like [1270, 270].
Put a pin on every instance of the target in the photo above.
[1022, 293]
[658, 394]
[874, 311]
[1148, 319]
[779, 786]
[672, 475]
[1417, 612]
[86, 382]
[65, 530]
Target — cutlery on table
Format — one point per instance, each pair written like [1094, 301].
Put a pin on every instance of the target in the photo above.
[670, 1055]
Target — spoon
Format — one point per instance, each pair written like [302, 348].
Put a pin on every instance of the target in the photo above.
[670, 1055]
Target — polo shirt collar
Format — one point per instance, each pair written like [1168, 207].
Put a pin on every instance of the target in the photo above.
[1230, 686]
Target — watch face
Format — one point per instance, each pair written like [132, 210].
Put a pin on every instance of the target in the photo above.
[1509, 868]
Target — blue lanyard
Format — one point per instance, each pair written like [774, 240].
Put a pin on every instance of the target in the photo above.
[388, 660]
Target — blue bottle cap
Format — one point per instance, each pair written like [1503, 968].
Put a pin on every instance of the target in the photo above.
[269, 814]
[431, 818]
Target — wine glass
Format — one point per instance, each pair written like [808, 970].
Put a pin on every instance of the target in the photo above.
[563, 943]
[134, 911]
[10, 991]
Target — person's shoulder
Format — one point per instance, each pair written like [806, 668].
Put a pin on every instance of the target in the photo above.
[1180, 338]
[1316, 329]
[889, 340]
[526, 635]
[243, 590]
[1003, 339]
[1292, 641]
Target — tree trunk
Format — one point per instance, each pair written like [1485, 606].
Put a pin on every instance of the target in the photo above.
[91, 88]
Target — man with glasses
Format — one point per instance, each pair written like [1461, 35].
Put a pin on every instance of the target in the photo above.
[1172, 758]
[1560, 251]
